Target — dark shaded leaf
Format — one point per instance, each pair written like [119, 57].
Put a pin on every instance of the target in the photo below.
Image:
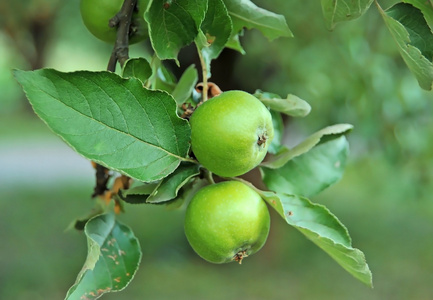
[163, 191]
[174, 24]
[185, 86]
[138, 68]
[217, 28]
[420, 66]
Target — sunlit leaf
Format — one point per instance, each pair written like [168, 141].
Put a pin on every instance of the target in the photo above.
[112, 259]
[110, 120]
[245, 14]
[291, 105]
[343, 10]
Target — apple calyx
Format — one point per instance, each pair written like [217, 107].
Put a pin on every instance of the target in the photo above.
[238, 257]
[262, 139]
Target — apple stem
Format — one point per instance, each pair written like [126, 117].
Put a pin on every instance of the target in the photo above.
[209, 176]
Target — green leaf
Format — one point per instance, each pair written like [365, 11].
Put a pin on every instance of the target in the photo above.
[234, 44]
[174, 24]
[413, 20]
[285, 155]
[312, 172]
[138, 68]
[112, 260]
[323, 228]
[343, 10]
[138, 194]
[79, 224]
[217, 28]
[187, 192]
[185, 86]
[164, 79]
[277, 122]
[426, 8]
[110, 120]
[169, 187]
[166, 190]
[291, 106]
[201, 40]
[245, 14]
[419, 65]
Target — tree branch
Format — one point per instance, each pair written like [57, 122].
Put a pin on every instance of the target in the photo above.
[122, 20]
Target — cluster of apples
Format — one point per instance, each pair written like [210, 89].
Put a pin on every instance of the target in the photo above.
[230, 135]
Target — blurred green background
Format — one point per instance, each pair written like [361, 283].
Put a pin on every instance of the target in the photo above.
[352, 75]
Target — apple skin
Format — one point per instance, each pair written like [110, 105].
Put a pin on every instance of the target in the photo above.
[230, 133]
[97, 13]
[226, 222]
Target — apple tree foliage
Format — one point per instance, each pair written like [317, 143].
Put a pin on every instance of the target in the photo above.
[131, 125]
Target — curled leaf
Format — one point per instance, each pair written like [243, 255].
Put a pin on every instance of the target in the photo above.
[292, 105]
[112, 259]
[285, 155]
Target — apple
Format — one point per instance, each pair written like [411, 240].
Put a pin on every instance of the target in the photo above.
[230, 133]
[97, 13]
[226, 222]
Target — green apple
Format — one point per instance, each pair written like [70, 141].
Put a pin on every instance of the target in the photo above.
[226, 222]
[230, 133]
[97, 13]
